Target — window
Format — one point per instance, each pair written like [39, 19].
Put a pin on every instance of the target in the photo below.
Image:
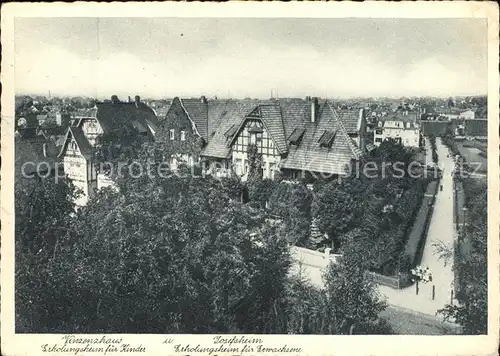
[378, 140]
[172, 134]
[408, 125]
[253, 138]
[378, 132]
[272, 169]
[183, 135]
[237, 166]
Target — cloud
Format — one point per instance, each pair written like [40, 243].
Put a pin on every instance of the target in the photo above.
[251, 68]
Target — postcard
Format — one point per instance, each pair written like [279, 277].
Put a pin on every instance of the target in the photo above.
[250, 178]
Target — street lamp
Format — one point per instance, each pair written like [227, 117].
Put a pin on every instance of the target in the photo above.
[464, 209]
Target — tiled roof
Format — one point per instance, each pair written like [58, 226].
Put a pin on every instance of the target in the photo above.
[285, 119]
[310, 156]
[296, 114]
[92, 112]
[400, 116]
[197, 111]
[271, 117]
[34, 149]
[81, 141]
[113, 115]
[350, 118]
[223, 116]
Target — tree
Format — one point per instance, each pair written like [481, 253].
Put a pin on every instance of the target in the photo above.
[292, 202]
[352, 297]
[44, 210]
[334, 209]
[470, 264]
[450, 102]
[167, 254]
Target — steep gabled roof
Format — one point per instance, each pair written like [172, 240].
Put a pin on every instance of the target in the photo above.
[272, 120]
[197, 111]
[350, 119]
[114, 115]
[270, 115]
[310, 156]
[81, 141]
[35, 150]
[224, 119]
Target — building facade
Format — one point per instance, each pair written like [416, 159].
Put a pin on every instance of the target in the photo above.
[402, 127]
[291, 135]
[77, 150]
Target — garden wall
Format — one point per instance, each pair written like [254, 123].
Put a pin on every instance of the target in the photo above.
[399, 282]
[416, 240]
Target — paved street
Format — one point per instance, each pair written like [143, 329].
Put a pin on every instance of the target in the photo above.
[441, 230]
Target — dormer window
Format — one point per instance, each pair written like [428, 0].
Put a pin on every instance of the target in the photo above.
[172, 134]
[231, 131]
[326, 139]
[183, 135]
[296, 136]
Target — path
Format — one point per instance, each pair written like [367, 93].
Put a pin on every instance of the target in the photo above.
[441, 230]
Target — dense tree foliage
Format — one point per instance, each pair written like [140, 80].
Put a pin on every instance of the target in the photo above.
[43, 227]
[172, 254]
[374, 205]
[349, 303]
[292, 203]
[471, 263]
[432, 140]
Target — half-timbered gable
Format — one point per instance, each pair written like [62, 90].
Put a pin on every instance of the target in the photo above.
[76, 156]
[87, 125]
[262, 127]
[290, 134]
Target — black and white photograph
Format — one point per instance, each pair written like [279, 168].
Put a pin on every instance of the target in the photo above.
[254, 176]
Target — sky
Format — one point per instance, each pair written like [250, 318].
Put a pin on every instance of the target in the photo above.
[293, 57]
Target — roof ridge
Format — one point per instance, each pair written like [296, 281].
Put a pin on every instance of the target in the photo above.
[190, 119]
[355, 150]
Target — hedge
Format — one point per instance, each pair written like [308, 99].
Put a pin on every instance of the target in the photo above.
[416, 239]
[432, 139]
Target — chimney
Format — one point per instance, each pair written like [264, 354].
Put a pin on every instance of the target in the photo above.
[114, 99]
[314, 109]
[137, 100]
[129, 99]
[203, 99]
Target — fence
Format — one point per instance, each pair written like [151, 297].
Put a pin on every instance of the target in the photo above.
[459, 219]
[399, 282]
[314, 258]
[458, 203]
[416, 240]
